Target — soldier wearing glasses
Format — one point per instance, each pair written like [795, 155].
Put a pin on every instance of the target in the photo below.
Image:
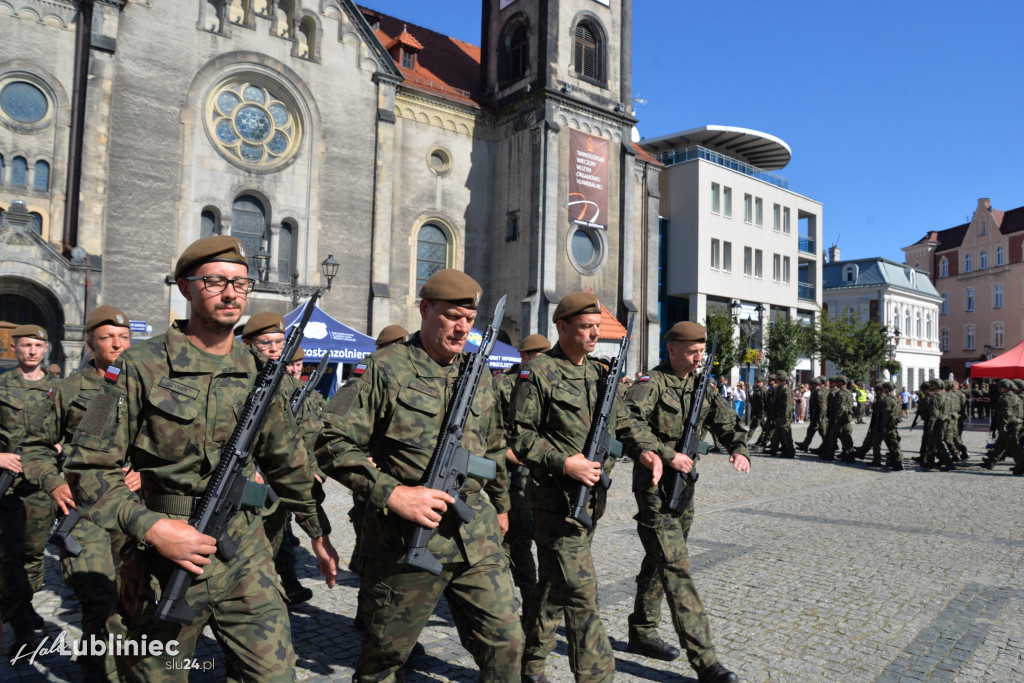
[167, 407]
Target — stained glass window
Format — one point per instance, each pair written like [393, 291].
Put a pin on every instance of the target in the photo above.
[23, 102]
[248, 223]
[41, 181]
[431, 253]
[251, 123]
[19, 171]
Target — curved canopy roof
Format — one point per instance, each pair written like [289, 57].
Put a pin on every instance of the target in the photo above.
[755, 148]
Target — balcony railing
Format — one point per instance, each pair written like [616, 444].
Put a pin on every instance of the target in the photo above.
[697, 152]
[808, 245]
[805, 291]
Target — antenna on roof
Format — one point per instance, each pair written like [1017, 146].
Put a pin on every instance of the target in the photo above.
[639, 100]
[835, 242]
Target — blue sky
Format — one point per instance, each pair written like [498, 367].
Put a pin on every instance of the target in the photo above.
[900, 114]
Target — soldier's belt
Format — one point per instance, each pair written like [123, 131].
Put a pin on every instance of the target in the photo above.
[254, 498]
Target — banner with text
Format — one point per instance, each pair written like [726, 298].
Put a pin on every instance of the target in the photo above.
[588, 180]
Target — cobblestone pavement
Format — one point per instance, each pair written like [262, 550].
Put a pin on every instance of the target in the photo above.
[810, 571]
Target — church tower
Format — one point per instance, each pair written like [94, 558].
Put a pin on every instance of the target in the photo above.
[572, 200]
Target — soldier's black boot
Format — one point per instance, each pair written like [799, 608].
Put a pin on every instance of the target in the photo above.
[716, 673]
[964, 455]
[656, 648]
[25, 640]
[294, 592]
[877, 462]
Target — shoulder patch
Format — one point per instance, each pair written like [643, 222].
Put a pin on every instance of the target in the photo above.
[359, 370]
[524, 374]
[644, 378]
[112, 373]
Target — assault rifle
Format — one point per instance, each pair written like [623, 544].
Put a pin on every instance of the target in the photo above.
[62, 528]
[598, 442]
[451, 463]
[300, 395]
[226, 492]
[679, 487]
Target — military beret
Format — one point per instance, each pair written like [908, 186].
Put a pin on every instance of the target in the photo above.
[577, 302]
[1019, 383]
[105, 315]
[260, 323]
[204, 250]
[34, 331]
[840, 379]
[687, 331]
[453, 286]
[53, 369]
[391, 334]
[535, 342]
[783, 375]
[1005, 384]
[298, 355]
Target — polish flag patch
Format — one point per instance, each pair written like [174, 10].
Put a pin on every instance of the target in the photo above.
[359, 370]
[112, 373]
[645, 378]
[525, 374]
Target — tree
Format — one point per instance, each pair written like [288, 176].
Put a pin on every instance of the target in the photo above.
[720, 323]
[788, 339]
[853, 346]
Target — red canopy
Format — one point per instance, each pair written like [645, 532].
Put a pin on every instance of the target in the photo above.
[1009, 365]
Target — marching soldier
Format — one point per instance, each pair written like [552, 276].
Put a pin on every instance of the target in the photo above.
[1007, 419]
[816, 423]
[26, 512]
[873, 437]
[552, 408]
[380, 431]
[518, 542]
[92, 574]
[167, 408]
[662, 399]
[840, 420]
[758, 400]
[782, 436]
[889, 413]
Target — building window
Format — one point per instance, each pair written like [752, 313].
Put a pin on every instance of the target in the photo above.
[249, 224]
[983, 260]
[748, 261]
[906, 322]
[967, 263]
[944, 267]
[776, 267]
[586, 250]
[776, 218]
[727, 256]
[785, 269]
[23, 102]
[944, 310]
[983, 228]
[41, 179]
[512, 227]
[36, 225]
[944, 339]
[999, 256]
[969, 338]
[209, 224]
[997, 335]
[587, 49]
[513, 60]
[758, 212]
[849, 273]
[997, 296]
[727, 202]
[408, 60]
[19, 172]
[748, 208]
[969, 300]
[716, 198]
[785, 220]
[928, 326]
[758, 263]
[917, 324]
[253, 123]
[285, 240]
[716, 246]
[431, 253]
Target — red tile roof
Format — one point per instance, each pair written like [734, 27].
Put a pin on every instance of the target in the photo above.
[405, 39]
[644, 155]
[610, 327]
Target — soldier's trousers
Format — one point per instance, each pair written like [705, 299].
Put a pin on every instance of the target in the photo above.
[665, 573]
[815, 427]
[566, 581]
[843, 434]
[756, 422]
[399, 600]
[93, 577]
[518, 543]
[782, 439]
[243, 605]
[26, 521]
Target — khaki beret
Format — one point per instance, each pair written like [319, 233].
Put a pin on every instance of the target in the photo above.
[207, 249]
[535, 342]
[266, 321]
[687, 331]
[53, 369]
[452, 286]
[299, 354]
[391, 334]
[577, 302]
[33, 331]
[105, 315]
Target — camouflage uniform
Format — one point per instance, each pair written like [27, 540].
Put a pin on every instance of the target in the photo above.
[391, 411]
[93, 574]
[1007, 418]
[873, 438]
[663, 401]
[817, 422]
[889, 413]
[168, 412]
[518, 541]
[758, 398]
[782, 436]
[26, 512]
[552, 407]
[768, 430]
[939, 414]
[840, 428]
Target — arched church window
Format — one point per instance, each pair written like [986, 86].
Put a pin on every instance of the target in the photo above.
[587, 51]
[431, 252]
[36, 225]
[19, 172]
[284, 15]
[285, 240]
[307, 38]
[249, 224]
[209, 223]
[513, 56]
[253, 123]
[41, 179]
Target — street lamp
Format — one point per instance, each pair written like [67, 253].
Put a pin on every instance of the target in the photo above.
[328, 268]
[748, 326]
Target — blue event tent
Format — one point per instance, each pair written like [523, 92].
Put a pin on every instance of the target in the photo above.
[502, 355]
[324, 334]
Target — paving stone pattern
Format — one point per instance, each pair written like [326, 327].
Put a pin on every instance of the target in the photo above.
[810, 571]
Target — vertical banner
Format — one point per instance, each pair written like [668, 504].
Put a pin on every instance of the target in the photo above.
[588, 180]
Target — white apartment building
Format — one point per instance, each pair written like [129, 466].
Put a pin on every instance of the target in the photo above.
[898, 296]
[733, 231]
